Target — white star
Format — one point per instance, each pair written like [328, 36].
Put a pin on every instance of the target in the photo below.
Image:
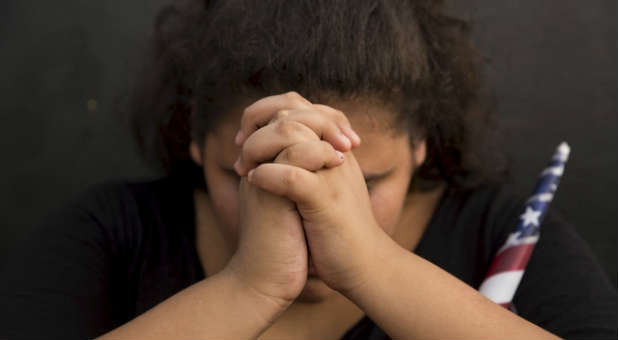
[531, 216]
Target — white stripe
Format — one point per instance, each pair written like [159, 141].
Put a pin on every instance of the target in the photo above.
[544, 197]
[513, 241]
[554, 170]
[500, 288]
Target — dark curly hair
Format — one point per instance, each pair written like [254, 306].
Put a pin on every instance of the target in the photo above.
[410, 55]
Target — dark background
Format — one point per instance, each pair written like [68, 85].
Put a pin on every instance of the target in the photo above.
[66, 65]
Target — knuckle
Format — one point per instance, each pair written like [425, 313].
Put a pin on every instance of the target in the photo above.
[333, 128]
[295, 97]
[337, 115]
[281, 114]
[341, 118]
[334, 195]
[287, 128]
[290, 178]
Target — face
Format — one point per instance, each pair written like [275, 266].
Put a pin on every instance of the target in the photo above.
[386, 160]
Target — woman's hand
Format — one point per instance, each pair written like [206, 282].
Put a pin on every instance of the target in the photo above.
[330, 194]
[273, 123]
[271, 257]
[341, 231]
[272, 254]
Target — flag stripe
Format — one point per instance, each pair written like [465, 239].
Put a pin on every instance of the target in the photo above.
[511, 258]
[509, 263]
[501, 287]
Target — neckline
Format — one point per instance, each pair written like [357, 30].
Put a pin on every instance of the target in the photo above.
[433, 220]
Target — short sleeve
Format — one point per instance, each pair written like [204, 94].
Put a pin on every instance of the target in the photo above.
[564, 289]
[60, 282]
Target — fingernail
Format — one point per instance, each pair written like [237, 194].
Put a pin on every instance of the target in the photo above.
[250, 175]
[339, 154]
[238, 137]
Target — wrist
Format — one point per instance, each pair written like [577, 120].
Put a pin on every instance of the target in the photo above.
[265, 307]
[379, 265]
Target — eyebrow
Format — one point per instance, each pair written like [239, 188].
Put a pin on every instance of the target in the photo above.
[369, 177]
[378, 176]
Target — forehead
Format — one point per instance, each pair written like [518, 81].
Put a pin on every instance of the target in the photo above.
[382, 147]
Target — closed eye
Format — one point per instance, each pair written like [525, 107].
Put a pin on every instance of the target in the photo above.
[232, 173]
[372, 179]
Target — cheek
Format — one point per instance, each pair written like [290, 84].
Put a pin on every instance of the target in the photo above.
[386, 203]
[223, 194]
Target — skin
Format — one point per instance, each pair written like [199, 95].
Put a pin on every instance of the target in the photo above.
[388, 175]
[348, 250]
[254, 236]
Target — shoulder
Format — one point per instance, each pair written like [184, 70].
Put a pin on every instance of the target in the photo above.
[116, 213]
[488, 212]
[69, 267]
[562, 272]
[496, 209]
[108, 203]
[496, 199]
[499, 209]
[467, 229]
[116, 198]
[114, 194]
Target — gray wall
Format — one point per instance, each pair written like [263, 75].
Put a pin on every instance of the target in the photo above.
[553, 67]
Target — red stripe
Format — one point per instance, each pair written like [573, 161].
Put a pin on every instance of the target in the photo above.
[509, 306]
[513, 258]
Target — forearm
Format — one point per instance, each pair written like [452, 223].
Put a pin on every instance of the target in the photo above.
[220, 307]
[410, 297]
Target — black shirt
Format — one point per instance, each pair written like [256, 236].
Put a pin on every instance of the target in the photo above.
[123, 247]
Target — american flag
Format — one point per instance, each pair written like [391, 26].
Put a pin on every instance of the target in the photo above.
[507, 268]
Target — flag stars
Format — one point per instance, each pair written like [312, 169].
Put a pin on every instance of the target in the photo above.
[531, 216]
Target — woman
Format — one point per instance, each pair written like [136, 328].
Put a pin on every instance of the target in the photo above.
[329, 177]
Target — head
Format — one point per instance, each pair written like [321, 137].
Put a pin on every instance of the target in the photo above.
[386, 157]
[404, 72]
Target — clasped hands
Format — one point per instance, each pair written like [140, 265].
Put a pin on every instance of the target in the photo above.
[302, 192]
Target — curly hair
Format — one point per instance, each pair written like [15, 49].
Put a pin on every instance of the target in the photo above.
[410, 55]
